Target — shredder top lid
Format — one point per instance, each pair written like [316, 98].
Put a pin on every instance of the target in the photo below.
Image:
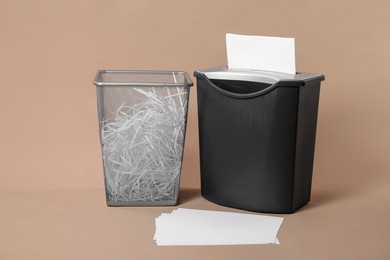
[298, 79]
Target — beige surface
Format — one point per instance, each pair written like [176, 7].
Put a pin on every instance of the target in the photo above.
[76, 224]
[51, 174]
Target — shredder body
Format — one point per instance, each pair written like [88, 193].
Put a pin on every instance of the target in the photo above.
[257, 134]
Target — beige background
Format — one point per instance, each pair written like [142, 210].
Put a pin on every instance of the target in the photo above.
[51, 187]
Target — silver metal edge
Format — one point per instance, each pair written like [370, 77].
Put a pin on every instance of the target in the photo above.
[96, 81]
[141, 203]
[99, 82]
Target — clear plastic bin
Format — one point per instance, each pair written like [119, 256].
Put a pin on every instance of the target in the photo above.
[142, 119]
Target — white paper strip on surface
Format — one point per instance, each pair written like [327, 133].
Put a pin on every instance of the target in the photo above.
[204, 227]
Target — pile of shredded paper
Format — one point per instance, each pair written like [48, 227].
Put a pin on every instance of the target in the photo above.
[143, 146]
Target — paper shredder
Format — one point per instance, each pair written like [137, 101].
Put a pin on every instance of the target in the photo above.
[257, 132]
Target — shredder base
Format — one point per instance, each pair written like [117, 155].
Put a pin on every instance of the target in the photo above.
[239, 206]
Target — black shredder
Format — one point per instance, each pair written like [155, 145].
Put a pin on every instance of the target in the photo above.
[257, 132]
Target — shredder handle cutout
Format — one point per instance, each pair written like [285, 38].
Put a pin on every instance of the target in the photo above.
[241, 95]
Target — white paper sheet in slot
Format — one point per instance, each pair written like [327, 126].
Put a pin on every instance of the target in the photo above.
[204, 227]
[275, 54]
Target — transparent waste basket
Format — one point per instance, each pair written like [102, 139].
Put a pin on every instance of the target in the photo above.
[142, 123]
